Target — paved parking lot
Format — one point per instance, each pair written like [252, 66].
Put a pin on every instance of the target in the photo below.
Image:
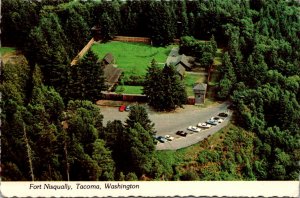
[167, 123]
[191, 138]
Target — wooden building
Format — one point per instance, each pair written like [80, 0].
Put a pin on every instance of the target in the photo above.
[200, 92]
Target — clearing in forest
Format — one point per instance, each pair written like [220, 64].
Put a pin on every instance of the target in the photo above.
[132, 58]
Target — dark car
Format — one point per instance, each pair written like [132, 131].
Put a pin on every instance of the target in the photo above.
[212, 122]
[161, 139]
[223, 114]
[122, 108]
[181, 133]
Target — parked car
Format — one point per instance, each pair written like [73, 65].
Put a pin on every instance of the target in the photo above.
[181, 133]
[204, 125]
[122, 108]
[168, 137]
[212, 122]
[161, 139]
[127, 108]
[194, 129]
[219, 120]
[223, 114]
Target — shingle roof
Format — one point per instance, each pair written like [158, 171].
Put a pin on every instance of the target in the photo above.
[108, 58]
[200, 87]
[112, 74]
[184, 61]
[180, 69]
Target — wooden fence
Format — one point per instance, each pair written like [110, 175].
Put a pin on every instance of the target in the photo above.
[135, 97]
[124, 97]
[132, 39]
[146, 40]
[82, 52]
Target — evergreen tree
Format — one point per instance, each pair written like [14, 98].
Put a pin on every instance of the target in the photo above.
[162, 26]
[18, 19]
[140, 150]
[182, 19]
[104, 159]
[164, 89]
[138, 114]
[86, 79]
[229, 79]
[174, 89]
[47, 42]
[153, 87]
[108, 28]
[77, 31]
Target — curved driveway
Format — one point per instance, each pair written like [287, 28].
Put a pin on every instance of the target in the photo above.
[170, 122]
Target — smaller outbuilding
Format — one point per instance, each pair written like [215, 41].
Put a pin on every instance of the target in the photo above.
[181, 71]
[108, 59]
[111, 72]
[184, 61]
[112, 75]
[200, 92]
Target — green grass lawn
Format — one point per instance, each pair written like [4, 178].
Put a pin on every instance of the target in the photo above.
[190, 80]
[130, 89]
[133, 58]
[4, 50]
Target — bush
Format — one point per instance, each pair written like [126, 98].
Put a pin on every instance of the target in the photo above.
[208, 156]
[239, 158]
[134, 80]
[131, 177]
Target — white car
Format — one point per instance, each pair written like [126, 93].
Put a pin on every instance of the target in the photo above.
[168, 137]
[204, 125]
[217, 119]
[194, 129]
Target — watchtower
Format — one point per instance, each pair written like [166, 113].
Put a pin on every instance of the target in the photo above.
[200, 92]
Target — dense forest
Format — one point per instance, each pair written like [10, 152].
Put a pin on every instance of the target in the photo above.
[51, 130]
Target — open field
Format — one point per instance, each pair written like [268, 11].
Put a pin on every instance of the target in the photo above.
[133, 58]
[130, 89]
[4, 50]
[190, 80]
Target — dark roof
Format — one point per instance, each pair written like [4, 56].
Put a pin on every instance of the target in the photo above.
[108, 58]
[184, 61]
[200, 87]
[180, 69]
[112, 74]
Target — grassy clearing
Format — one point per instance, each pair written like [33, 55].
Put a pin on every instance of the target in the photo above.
[4, 50]
[129, 89]
[133, 58]
[218, 58]
[190, 80]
